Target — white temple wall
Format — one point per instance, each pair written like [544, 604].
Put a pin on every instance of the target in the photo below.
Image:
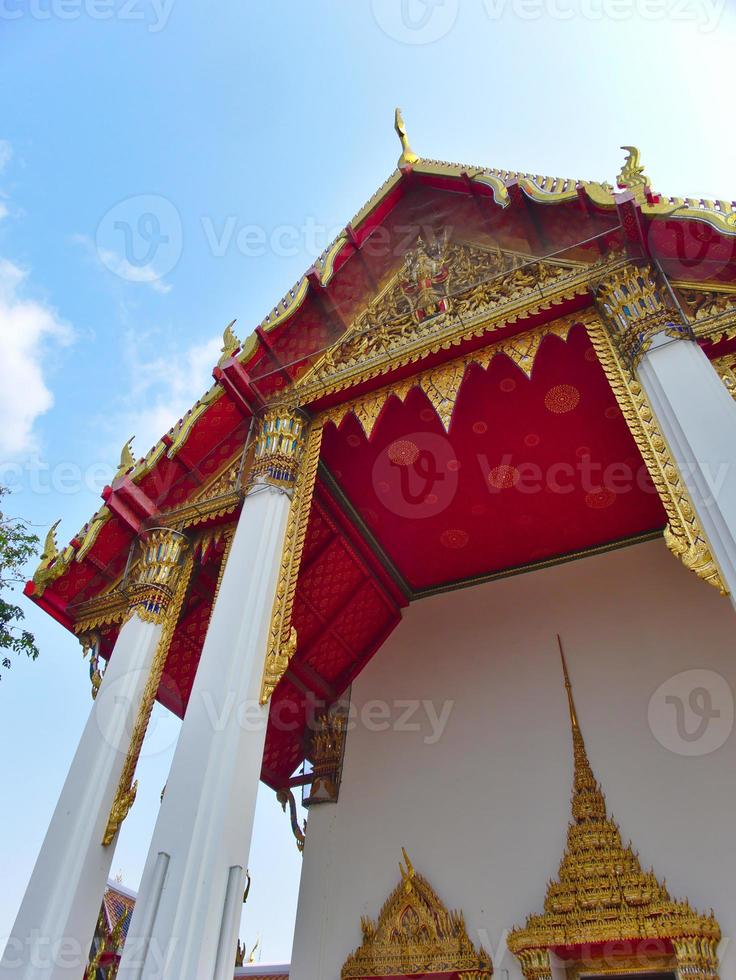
[483, 809]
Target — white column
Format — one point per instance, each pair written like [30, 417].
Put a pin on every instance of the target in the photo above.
[190, 901]
[697, 417]
[53, 931]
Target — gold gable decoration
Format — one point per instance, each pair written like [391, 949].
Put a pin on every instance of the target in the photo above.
[603, 897]
[415, 935]
[439, 285]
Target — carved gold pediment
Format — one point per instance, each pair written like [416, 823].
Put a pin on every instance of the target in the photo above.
[415, 935]
[438, 285]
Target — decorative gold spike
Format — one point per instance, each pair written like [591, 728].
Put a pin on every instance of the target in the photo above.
[408, 157]
[127, 460]
[632, 176]
[230, 344]
[568, 686]
[50, 547]
[410, 872]
[52, 563]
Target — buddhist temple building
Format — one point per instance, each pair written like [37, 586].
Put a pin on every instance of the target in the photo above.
[493, 423]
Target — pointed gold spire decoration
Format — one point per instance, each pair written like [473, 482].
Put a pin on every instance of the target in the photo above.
[230, 344]
[602, 895]
[632, 176]
[408, 156]
[127, 460]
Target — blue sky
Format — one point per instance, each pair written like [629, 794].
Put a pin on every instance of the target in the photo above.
[245, 134]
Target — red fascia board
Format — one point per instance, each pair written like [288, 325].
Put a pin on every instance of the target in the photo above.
[51, 604]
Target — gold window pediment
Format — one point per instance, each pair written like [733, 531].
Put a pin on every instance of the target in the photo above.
[415, 935]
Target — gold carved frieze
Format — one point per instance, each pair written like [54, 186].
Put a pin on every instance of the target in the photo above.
[711, 312]
[442, 384]
[415, 935]
[726, 368]
[444, 293]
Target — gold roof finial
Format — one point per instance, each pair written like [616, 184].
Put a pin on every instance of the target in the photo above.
[50, 547]
[408, 156]
[127, 460]
[230, 344]
[632, 176]
[49, 568]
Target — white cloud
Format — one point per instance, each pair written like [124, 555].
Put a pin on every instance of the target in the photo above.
[6, 152]
[29, 333]
[162, 385]
[108, 258]
[131, 273]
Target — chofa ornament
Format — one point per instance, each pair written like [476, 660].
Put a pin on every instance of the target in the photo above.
[415, 935]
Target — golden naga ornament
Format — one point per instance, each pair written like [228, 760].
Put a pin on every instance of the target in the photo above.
[286, 798]
[127, 460]
[51, 565]
[408, 156]
[415, 935]
[603, 902]
[230, 344]
[632, 176]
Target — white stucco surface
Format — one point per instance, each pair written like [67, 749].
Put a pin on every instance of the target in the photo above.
[483, 809]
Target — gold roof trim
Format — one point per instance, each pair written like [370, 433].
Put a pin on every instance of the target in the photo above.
[602, 894]
[415, 935]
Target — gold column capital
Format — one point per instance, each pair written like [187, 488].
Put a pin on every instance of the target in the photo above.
[636, 308]
[279, 447]
[535, 963]
[156, 573]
